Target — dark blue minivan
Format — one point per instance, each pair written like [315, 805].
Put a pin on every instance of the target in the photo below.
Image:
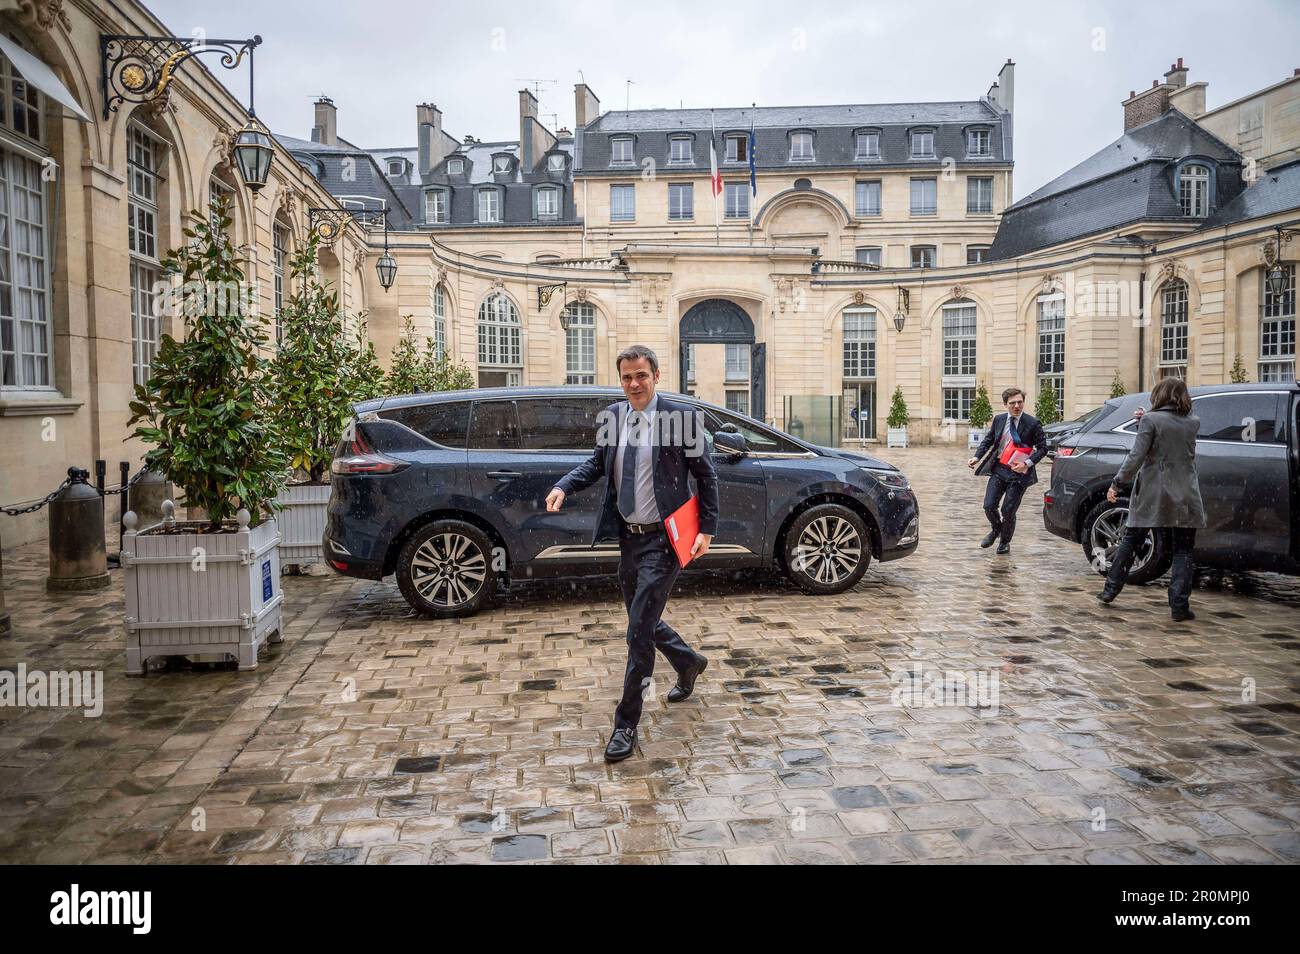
[448, 491]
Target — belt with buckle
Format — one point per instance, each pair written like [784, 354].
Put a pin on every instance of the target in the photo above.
[642, 527]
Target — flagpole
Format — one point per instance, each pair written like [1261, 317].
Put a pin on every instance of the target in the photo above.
[753, 181]
[713, 152]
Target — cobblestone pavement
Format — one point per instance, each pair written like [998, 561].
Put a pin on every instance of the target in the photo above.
[370, 735]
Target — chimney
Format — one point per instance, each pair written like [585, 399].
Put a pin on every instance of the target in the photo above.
[534, 138]
[431, 141]
[1177, 75]
[586, 107]
[326, 130]
[1145, 106]
[1006, 85]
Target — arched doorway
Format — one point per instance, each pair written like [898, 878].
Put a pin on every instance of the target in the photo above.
[718, 321]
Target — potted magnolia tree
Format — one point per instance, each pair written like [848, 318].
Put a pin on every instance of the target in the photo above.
[207, 586]
[981, 413]
[320, 369]
[896, 422]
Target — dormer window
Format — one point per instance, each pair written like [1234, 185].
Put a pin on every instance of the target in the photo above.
[679, 149]
[1194, 190]
[977, 143]
[555, 162]
[923, 144]
[500, 164]
[455, 167]
[737, 148]
[489, 206]
[801, 147]
[396, 167]
[435, 206]
[866, 145]
[548, 203]
[620, 150]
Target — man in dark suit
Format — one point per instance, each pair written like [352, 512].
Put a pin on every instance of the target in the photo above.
[645, 449]
[1007, 485]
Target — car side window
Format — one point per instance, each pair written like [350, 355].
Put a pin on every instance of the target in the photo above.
[759, 440]
[1245, 417]
[443, 423]
[494, 426]
[559, 423]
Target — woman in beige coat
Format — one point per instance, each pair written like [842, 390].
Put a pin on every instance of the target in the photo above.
[1167, 497]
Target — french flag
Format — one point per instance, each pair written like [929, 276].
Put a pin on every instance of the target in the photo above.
[715, 176]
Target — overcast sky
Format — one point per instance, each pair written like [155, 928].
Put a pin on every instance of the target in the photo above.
[1075, 62]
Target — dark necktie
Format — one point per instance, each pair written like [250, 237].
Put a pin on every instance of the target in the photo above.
[627, 489]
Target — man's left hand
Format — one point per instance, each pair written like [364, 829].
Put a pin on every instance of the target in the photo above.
[1020, 467]
[701, 545]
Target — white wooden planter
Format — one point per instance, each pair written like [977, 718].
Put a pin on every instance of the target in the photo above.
[896, 437]
[195, 593]
[302, 523]
[974, 437]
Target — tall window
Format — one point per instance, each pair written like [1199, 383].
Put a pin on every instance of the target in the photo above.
[24, 284]
[439, 320]
[144, 153]
[1051, 346]
[1173, 325]
[1277, 331]
[958, 360]
[679, 149]
[736, 149]
[681, 201]
[622, 203]
[866, 197]
[859, 344]
[737, 200]
[279, 263]
[925, 196]
[435, 206]
[1194, 190]
[548, 203]
[620, 150]
[580, 344]
[801, 147]
[489, 205]
[218, 190]
[499, 333]
[977, 143]
[923, 145]
[979, 194]
[866, 145]
[737, 362]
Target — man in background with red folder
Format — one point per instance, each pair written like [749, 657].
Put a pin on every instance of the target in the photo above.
[1017, 438]
[645, 449]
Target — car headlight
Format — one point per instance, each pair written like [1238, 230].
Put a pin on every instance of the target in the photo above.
[890, 478]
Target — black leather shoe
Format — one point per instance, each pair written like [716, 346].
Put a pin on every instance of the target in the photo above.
[1004, 547]
[686, 681]
[1107, 595]
[621, 744]
[1182, 616]
[991, 539]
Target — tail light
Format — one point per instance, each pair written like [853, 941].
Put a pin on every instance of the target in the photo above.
[1048, 499]
[358, 456]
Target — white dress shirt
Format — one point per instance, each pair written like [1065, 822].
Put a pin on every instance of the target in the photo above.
[646, 509]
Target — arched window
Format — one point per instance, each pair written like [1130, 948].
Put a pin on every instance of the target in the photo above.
[1194, 190]
[580, 344]
[279, 272]
[440, 319]
[958, 359]
[145, 156]
[1051, 346]
[24, 237]
[500, 351]
[1173, 329]
[859, 363]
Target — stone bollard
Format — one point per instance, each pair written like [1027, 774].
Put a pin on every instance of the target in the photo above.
[78, 559]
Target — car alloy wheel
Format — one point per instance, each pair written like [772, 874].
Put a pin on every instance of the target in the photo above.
[448, 570]
[1106, 535]
[826, 549]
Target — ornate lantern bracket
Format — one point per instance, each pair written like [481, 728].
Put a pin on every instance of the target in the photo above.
[329, 223]
[138, 69]
[544, 293]
[904, 304]
[1274, 274]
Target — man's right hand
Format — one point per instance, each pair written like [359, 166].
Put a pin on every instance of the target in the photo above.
[972, 462]
[554, 500]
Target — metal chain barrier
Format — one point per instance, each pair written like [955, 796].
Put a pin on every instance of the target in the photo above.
[17, 510]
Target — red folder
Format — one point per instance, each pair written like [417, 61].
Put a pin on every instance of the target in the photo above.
[683, 525]
[1009, 455]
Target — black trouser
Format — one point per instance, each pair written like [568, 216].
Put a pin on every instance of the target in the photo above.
[1007, 487]
[647, 567]
[1180, 576]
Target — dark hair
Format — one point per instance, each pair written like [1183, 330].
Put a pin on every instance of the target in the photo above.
[1171, 394]
[634, 353]
[1009, 393]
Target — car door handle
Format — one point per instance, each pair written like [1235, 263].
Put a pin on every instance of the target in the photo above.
[504, 474]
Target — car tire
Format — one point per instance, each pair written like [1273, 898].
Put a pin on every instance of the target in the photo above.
[826, 550]
[445, 569]
[1102, 530]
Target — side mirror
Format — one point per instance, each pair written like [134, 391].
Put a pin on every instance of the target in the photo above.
[730, 442]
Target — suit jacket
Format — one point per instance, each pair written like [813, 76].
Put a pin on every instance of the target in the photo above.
[672, 465]
[1031, 434]
[1163, 460]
